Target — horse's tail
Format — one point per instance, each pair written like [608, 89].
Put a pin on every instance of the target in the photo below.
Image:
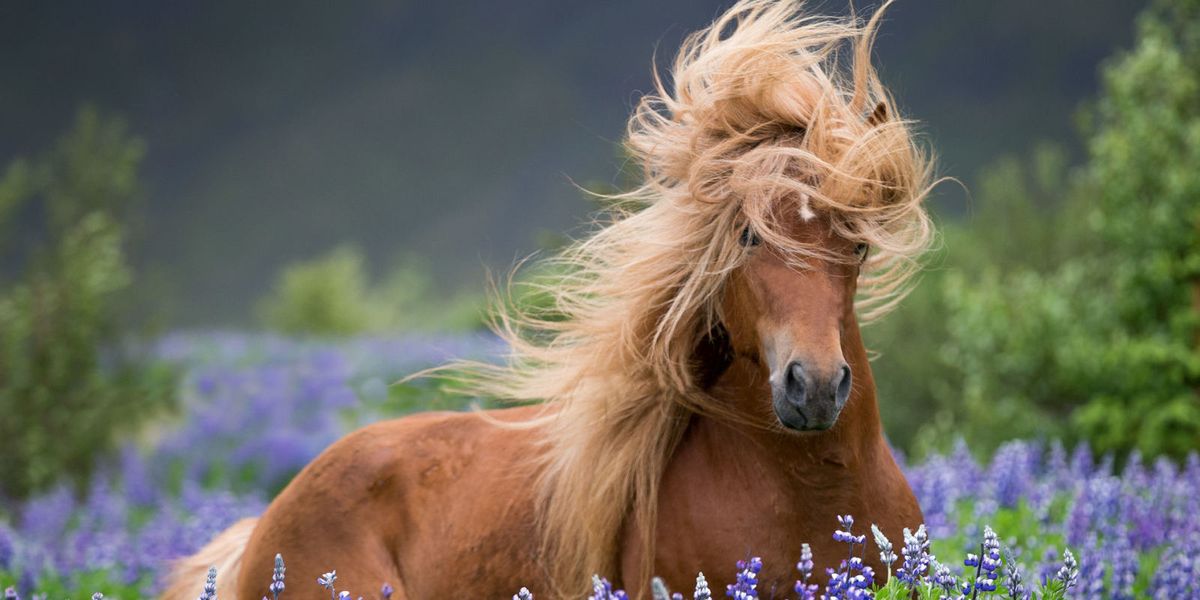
[186, 581]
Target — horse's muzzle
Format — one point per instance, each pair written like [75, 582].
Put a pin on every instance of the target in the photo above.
[805, 402]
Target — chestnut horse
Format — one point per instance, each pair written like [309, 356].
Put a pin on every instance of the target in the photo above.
[702, 389]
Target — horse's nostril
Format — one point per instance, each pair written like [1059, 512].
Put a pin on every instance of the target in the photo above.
[794, 383]
[843, 385]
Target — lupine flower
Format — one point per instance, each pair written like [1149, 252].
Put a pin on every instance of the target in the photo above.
[1013, 580]
[277, 575]
[97, 596]
[746, 585]
[805, 589]
[210, 585]
[386, 591]
[7, 546]
[846, 537]
[602, 590]
[343, 595]
[916, 557]
[943, 578]
[522, 594]
[989, 561]
[702, 592]
[658, 589]
[886, 553]
[10, 593]
[1069, 573]
[327, 581]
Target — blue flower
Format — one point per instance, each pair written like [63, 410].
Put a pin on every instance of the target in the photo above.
[943, 578]
[386, 591]
[277, 575]
[886, 553]
[1068, 574]
[702, 592]
[916, 557]
[1013, 580]
[746, 583]
[522, 594]
[805, 589]
[327, 581]
[210, 585]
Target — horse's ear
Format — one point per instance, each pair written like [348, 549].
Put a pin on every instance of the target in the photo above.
[878, 116]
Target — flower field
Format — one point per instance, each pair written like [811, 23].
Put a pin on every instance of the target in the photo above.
[1035, 519]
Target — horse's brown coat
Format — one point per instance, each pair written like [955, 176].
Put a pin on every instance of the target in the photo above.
[442, 504]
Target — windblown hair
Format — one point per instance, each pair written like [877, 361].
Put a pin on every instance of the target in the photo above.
[764, 114]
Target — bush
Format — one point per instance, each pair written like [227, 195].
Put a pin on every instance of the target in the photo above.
[332, 295]
[65, 390]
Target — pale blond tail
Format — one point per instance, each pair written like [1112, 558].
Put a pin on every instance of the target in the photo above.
[224, 552]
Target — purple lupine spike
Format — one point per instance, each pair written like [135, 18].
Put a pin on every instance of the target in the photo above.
[658, 589]
[602, 590]
[804, 587]
[989, 561]
[210, 585]
[916, 557]
[327, 580]
[1068, 574]
[1013, 579]
[277, 576]
[1124, 560]
[702, 592]
[943, 578]
[746, 584]
[887, 554]
[8, 546]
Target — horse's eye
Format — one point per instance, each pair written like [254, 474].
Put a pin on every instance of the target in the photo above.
[861, 251]
[749, 238]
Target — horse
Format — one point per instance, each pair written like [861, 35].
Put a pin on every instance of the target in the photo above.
[697, 390]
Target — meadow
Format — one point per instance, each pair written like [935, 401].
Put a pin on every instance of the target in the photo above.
[255, 408]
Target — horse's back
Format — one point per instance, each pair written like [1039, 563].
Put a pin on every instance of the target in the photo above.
[426, 503]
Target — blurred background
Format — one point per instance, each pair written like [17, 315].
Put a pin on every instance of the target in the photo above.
[331, 170]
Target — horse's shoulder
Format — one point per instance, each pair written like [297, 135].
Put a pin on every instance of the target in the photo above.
[426, 448]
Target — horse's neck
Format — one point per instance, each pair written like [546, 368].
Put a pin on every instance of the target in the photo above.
[854, 439]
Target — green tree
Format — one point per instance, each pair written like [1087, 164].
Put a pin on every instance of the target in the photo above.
[65, 392]
[1082, 316]
[1145, 172]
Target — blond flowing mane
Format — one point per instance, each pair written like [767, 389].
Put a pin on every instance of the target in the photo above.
[763, 109]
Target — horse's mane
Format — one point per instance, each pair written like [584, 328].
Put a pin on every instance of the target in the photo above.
[762, 112]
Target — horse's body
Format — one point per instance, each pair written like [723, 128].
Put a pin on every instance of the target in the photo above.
[704, 391]
[440, 504]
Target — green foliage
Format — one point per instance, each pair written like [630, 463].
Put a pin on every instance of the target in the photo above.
[1071, 304]
[332, 295]
[64, 389]
[1144, 158]
[326, 296]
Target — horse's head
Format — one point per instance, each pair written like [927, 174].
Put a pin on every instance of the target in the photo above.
[791, 313]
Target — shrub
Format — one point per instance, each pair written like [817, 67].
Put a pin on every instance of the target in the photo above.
[332, 295]
[65, 389]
